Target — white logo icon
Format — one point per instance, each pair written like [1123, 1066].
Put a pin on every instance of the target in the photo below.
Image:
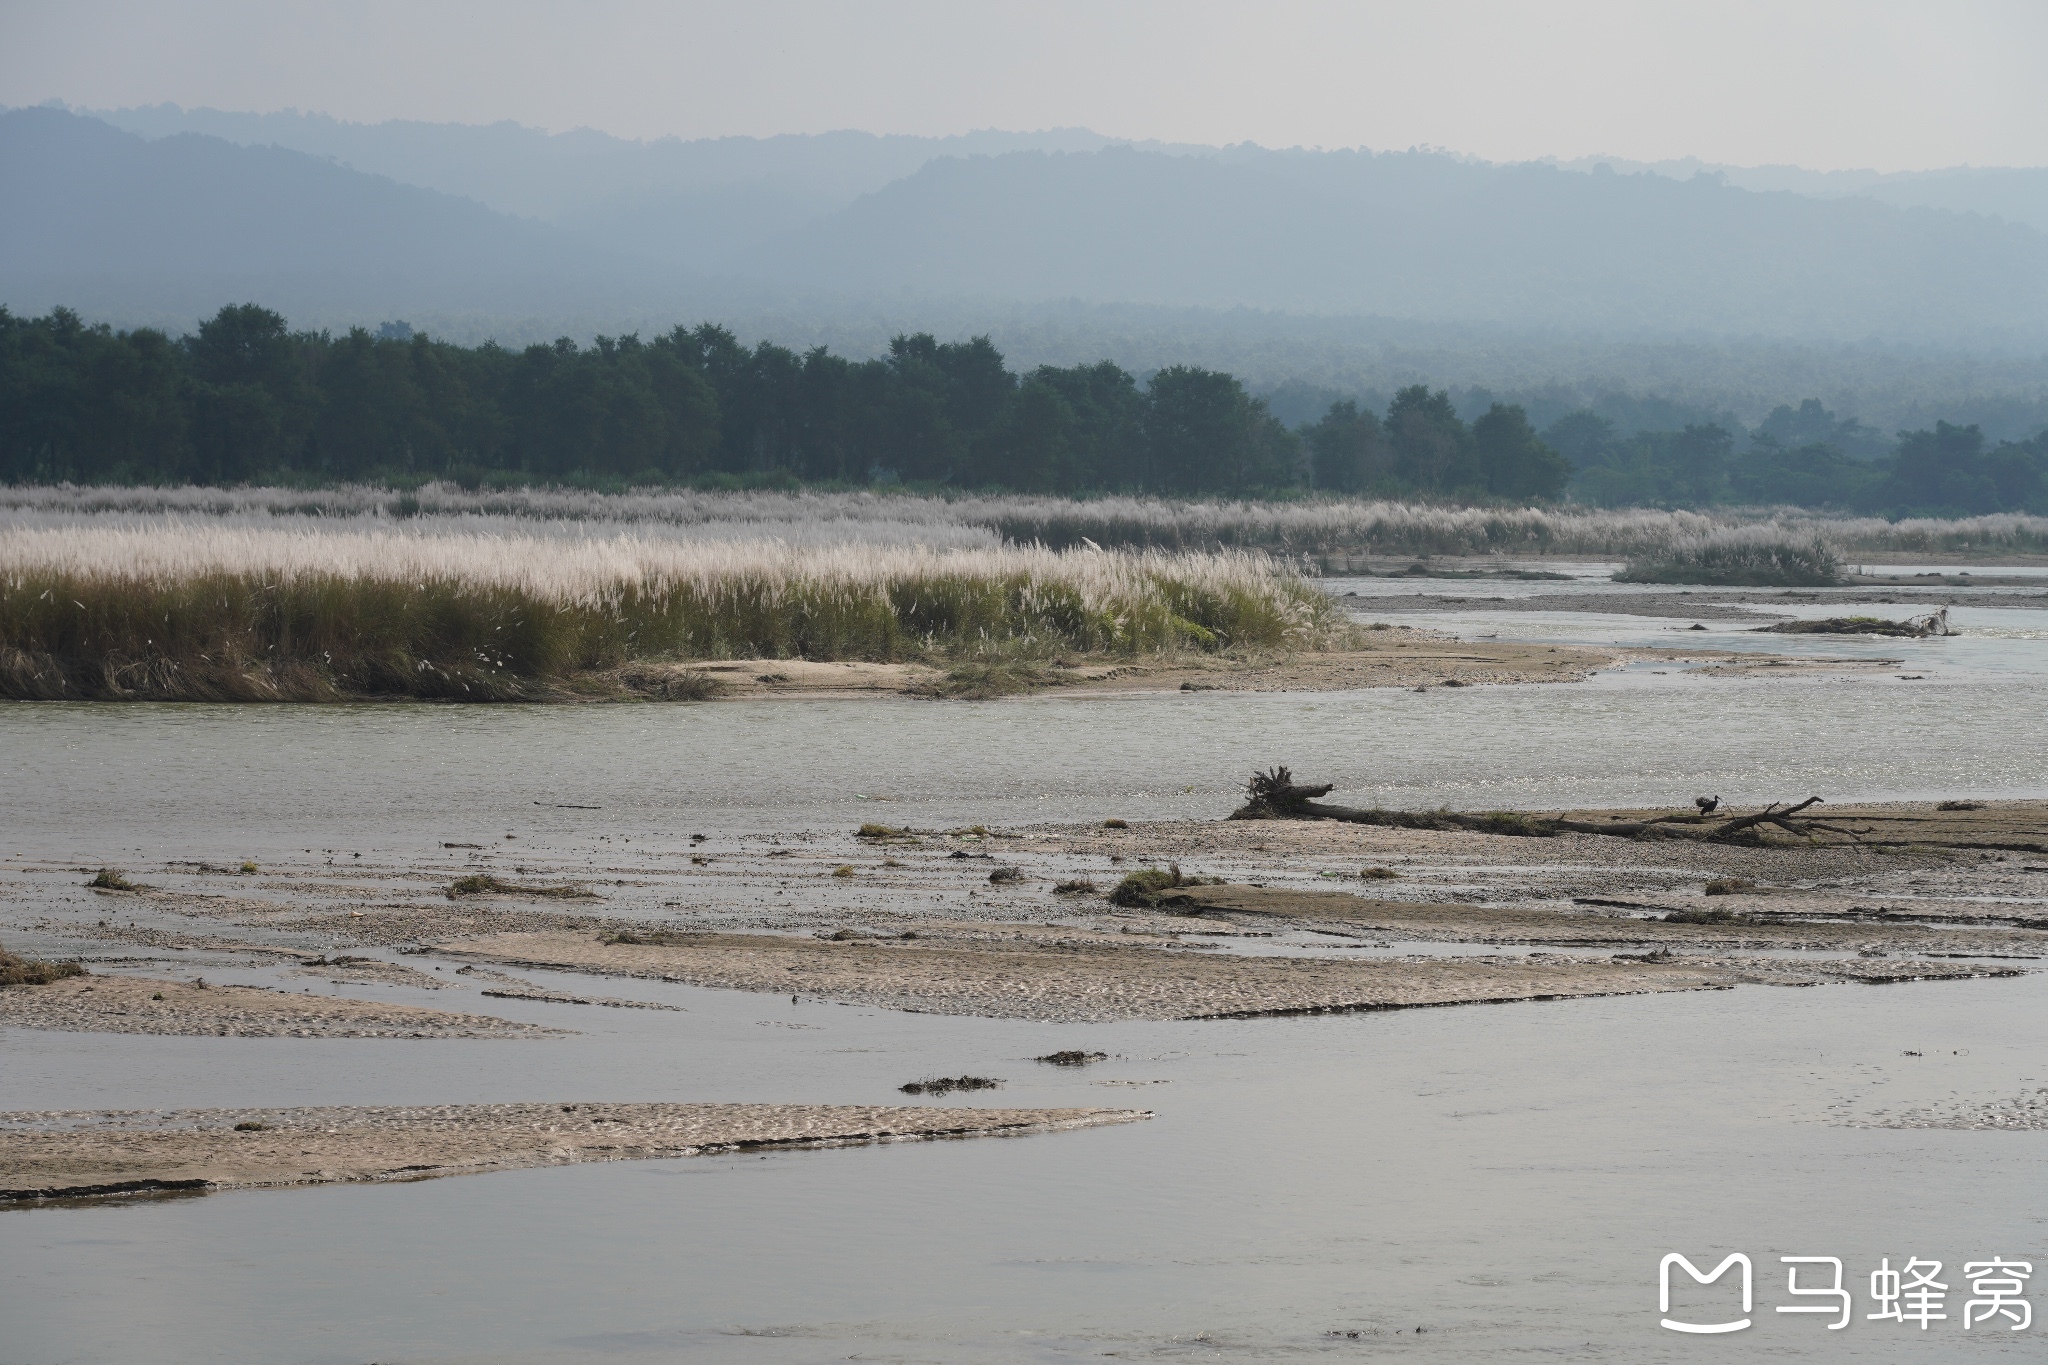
[1664, 1291]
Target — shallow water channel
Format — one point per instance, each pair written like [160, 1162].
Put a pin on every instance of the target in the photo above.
[1504, 1178]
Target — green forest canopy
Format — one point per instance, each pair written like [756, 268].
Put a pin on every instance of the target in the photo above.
[245, 399]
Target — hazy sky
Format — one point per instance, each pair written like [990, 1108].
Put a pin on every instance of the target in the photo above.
[1826, 83]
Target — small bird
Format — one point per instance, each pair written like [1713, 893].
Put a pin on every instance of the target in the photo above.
[1706, 803]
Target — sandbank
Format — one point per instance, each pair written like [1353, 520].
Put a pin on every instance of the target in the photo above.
[73, 1154]
[141, 1004]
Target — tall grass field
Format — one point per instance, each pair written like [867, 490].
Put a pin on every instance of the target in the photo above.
[1293, 528]
[211, 609]
[284, 594]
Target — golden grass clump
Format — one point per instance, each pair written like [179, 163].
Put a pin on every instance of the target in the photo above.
[181, 609]
[31, 971]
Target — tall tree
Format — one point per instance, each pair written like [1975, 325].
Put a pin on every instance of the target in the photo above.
[1431, 447]
[1347, 451]
[1512, 458]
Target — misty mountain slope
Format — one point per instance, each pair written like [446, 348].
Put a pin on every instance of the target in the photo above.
[165, 231]
[588, 176]
[89, 214]
[2018, 194]
[1429, 236]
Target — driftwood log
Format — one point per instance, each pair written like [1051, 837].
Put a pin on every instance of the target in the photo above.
[1916, 628]
[1275, 795]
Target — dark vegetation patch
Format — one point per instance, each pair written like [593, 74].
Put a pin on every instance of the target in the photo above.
[1072, 1057]
[1959, 805]
[979, 680]
[484, 884]
[111, 879]
[1138, 889]
[1705, 917]
[1079, 886]
[1006, 876]
[1916, 628]
[946, 1085]
[668, 684]
[1729, 886]
[653, 938]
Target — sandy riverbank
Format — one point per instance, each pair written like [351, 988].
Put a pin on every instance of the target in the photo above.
[141, 1004]
[1077, 980]
[73, 1154]
[1390, 657]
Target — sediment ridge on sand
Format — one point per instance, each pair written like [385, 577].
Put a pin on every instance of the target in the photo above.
[105, 1152]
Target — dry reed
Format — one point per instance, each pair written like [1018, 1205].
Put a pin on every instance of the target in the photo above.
[823, 519]
[204, 610]
[1764, 555]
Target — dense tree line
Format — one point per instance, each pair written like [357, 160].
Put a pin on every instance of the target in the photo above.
[1805, 457]
[246, 399]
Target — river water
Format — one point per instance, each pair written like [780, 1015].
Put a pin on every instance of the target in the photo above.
[1505, 1178]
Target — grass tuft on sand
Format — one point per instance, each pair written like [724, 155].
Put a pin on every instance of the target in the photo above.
[30, 971]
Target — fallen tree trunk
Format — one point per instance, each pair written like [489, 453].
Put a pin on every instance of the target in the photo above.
[1275, 795]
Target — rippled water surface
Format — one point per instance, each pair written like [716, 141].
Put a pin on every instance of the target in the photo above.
[1503, 1177]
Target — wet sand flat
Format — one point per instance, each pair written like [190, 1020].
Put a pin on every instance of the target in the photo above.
[1086, 981]
[72, 1154]
[1390, 657]
[130, 1004]
[1755, 921]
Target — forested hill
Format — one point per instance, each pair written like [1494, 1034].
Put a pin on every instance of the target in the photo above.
[131, 228]
[245, 399]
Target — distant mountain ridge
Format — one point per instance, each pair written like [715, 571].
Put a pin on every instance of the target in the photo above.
[1420, 235]
[525, 171]
[2018, 194]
